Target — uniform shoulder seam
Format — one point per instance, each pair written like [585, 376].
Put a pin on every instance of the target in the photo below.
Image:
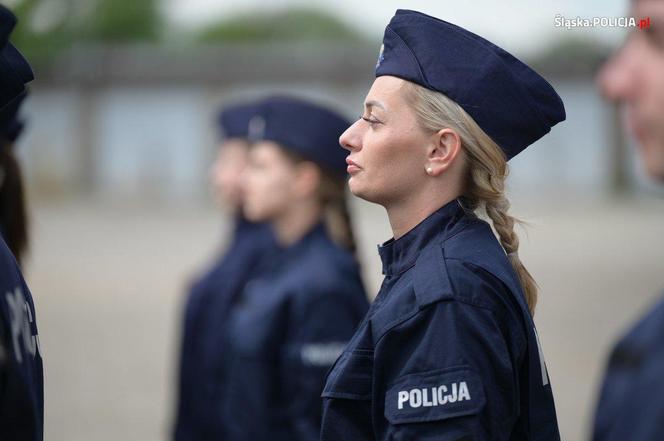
[412, 314]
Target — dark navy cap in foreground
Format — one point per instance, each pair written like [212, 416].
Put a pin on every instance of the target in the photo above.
[15, 71]
[233, 121]
[512, 103]
[308, 129]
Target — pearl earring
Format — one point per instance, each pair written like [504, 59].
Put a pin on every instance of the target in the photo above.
[429, 170]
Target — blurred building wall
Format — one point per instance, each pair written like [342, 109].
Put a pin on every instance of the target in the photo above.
[138, 122]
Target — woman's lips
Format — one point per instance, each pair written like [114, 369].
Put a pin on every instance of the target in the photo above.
[352, 166]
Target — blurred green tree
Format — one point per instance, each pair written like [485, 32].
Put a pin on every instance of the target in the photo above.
[48, 26]
[289, 24]
[42, 28]
[572, 55]
[120, 21]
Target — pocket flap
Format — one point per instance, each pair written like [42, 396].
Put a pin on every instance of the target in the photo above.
[351, 376]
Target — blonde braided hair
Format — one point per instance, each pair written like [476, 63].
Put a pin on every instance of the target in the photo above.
[487, 170]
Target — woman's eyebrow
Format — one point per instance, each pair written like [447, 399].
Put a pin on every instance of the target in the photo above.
[372, 103]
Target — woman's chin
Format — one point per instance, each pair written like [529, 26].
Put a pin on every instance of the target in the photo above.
[355, 187]
[360, 191]
[252, 215]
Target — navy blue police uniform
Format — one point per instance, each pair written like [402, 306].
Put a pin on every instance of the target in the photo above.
[208, 305]
[21, 369]
[295, 317]
[449, 349]
[631, 405]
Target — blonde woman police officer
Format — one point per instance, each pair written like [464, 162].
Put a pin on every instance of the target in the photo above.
[448, 350]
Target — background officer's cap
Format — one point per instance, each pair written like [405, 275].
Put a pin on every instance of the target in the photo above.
[308, 129]
[233, 121]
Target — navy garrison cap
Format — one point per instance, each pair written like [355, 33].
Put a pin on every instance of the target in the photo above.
[512, 103]
[15, 71]
[233, 121]
[11, 126]
[308, 129]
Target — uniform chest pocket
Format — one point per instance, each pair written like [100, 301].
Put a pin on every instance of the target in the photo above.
[434, 395]
[351, 377]
[256, 328]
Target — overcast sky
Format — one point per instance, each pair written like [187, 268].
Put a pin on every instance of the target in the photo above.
[520, 25]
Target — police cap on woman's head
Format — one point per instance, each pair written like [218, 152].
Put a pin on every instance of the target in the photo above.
[308, 129]
[511, 102]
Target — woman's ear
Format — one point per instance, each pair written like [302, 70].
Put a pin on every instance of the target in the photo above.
[443, 151]
[307, 179]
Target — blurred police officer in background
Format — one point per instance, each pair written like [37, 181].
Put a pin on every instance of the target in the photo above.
[631, 403]
[294, 318]
[214, 294]
[21, 370]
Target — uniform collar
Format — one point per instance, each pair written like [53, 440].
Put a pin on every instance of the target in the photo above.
[244, 225]
[316, 232]
[241, 224]
[245, 231]
[399, 255]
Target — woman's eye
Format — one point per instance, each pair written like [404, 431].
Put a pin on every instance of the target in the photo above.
[369, 120]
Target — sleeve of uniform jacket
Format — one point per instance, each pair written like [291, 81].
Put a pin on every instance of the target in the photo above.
[631, 405]
[451, 372]
[183, 422]
[322, 325]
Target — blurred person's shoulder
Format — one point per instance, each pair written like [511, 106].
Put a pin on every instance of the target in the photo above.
[643, 342]
[634, 373]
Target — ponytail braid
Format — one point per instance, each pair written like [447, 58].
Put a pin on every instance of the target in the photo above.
[488, 190]
[336, 212]
[333, 200]
[487, 170]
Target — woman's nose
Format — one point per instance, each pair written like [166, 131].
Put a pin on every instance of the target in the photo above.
[351, 138]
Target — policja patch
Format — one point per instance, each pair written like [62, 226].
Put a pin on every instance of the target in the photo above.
[434, 395]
